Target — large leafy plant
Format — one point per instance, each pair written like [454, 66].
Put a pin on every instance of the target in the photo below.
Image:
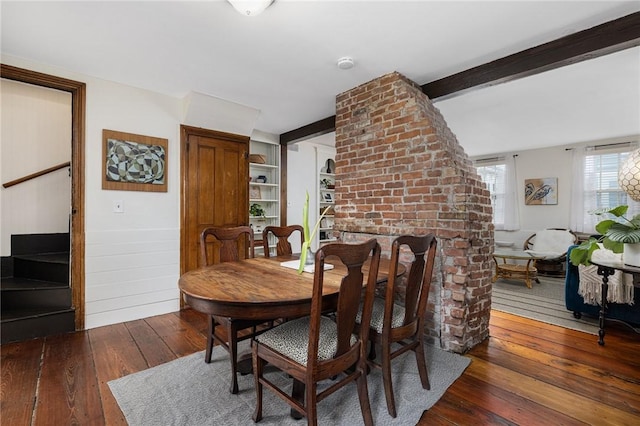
[615, 231]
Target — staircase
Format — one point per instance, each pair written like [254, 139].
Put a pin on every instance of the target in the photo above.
[36, 296]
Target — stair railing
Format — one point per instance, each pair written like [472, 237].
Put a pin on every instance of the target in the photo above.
[36, 174]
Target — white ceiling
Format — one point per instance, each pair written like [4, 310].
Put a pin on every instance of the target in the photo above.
[283, 62]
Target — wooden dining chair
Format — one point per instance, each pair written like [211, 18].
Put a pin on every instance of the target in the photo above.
[282, 233]
[316, 347]
[394, 323]
[233, 244]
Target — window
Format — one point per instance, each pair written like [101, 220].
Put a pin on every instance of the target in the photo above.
[495, 178]
[596, 185]
[601, 179]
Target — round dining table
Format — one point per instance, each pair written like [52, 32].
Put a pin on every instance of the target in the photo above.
[261, 288]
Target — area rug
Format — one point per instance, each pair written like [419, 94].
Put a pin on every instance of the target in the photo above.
[187, 391]
[543, 302]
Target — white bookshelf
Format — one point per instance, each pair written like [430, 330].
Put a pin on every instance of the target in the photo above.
[264, 188]
[325, 184]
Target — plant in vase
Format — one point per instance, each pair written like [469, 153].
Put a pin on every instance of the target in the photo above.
[308, 237]
[617, 233]
[256, 210]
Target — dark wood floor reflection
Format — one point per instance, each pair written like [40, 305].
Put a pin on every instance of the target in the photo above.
[526, 373]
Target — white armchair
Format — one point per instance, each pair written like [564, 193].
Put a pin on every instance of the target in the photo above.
[552, 244]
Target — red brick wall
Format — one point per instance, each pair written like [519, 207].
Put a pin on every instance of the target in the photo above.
[400, 170]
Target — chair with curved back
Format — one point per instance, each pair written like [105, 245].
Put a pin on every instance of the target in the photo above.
[316, 347]
[282, 233]
[233, 244]
[552, 243]
[392, 323]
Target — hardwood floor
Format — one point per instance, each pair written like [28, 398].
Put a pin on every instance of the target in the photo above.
[526, 373]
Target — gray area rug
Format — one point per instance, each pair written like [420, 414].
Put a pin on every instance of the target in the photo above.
[187, 391]
[544, 302]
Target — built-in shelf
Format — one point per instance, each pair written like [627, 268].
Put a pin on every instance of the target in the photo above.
[267, 193]
[326, 193]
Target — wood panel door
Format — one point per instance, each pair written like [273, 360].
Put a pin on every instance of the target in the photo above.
[215, 186]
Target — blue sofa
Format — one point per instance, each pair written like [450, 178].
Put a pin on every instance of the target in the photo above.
[575, 303]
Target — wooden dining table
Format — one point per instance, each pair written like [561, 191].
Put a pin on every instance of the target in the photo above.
[262, 289]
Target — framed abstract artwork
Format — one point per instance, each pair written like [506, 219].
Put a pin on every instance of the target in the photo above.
[134, 162]
[541, 191]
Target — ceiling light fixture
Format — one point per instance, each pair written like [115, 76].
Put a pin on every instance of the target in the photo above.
[250, 7]
[345, 63]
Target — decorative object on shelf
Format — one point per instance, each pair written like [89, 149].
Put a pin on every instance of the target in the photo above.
[305, 251]
[327, 183]
[261, 179]
[330, 166]
[254, 192]
[327, 197]
[541, 191]
[619, 235]
[257, 158]
[134, 162]
[256, 210]
[629, 175]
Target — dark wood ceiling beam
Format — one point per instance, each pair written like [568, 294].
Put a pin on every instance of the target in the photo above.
[594, 42]
[321, 127]
[610, 37]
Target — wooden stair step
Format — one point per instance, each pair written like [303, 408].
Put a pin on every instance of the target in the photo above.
[24, 324]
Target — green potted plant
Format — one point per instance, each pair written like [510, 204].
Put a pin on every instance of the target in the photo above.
[256, 210]
[617, 233]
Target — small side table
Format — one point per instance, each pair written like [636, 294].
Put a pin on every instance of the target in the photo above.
[526, 272]
[605, 269]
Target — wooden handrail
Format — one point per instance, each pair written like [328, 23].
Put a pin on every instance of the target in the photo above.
[37, 174]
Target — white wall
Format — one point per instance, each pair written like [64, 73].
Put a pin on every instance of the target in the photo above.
[27, 148]
[301, 178]
[132, 258]
[541, 163]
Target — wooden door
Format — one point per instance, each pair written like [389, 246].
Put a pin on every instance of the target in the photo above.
[215, 186]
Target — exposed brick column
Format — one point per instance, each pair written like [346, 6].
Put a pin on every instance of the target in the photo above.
[400, 170]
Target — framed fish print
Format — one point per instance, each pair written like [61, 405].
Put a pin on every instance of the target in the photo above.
[541, 191]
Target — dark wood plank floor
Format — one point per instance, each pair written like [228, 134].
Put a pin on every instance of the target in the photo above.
[526, 373]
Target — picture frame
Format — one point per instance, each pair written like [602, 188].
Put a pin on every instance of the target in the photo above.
[255, 193]
[541, 191]
[327, 197]
[133, 162]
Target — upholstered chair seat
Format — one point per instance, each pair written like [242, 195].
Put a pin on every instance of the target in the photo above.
[377, 315]
[292, 339]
